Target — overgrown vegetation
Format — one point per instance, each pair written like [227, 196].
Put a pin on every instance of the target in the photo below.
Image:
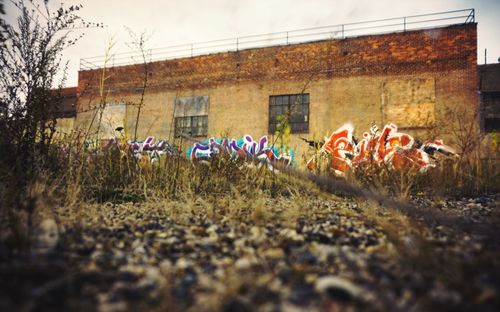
[30, 58]
[284, 224]
[35, 169]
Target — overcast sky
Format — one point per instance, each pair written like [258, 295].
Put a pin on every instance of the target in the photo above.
[172, 22]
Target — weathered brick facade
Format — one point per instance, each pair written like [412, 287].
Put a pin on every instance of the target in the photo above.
[410, 78]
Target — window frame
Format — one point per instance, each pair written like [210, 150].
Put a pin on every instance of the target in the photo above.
[490, 113]
[191, 116]
[179, 130]
[281, 104]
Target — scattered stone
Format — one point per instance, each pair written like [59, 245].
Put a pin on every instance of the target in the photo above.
[338, 288]
[140, 260]
[291, 235]
[273, 253]
[243, 263]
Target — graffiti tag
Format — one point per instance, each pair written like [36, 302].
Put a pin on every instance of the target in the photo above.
[244, 148]
[388, 148]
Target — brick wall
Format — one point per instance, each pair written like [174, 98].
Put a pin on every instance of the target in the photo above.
[348, 80]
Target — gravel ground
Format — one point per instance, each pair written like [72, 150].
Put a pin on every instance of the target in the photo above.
[332, 254]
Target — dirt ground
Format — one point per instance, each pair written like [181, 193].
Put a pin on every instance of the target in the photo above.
[291, 253]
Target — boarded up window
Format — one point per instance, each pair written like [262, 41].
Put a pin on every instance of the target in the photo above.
[191, 116]
[409, 103]
[113, 117]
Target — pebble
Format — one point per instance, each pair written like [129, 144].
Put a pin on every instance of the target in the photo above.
[46, 237]
[337, 288]
[183, 263]
[308, 263]
[273, 253]
[291, 234]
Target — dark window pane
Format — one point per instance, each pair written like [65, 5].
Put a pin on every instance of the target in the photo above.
[297, 118]
[293, 108]
[191, 126]
[492, 124]
[299, 127]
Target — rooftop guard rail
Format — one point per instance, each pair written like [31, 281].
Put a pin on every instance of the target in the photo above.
[397, 24]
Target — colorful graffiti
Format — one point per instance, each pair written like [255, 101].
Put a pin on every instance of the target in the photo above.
[145, 151]
[151, 150]
[244, 148]
[388, 148]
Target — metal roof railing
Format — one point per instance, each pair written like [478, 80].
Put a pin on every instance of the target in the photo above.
[342, 31]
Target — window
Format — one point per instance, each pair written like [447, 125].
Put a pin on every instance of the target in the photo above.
[191, 116]
[191, 126]
[294, 107]
[491, 110]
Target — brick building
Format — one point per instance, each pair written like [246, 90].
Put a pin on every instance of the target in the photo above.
[65, 112]
[416, 79]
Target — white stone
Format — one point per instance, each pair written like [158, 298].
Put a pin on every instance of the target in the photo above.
[47, 236]
[334, 282]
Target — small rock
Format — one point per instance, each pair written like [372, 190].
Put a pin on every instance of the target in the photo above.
[47, 237]
[183, 263]
[165, 266]
[243, 263]
[162, 235]
[120, 244]
[338, 288]
[324, 252]
[273, 253]
[292, 235]
[257, 234]
[212, 229]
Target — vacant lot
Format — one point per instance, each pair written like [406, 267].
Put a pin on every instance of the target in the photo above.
[295, 248]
